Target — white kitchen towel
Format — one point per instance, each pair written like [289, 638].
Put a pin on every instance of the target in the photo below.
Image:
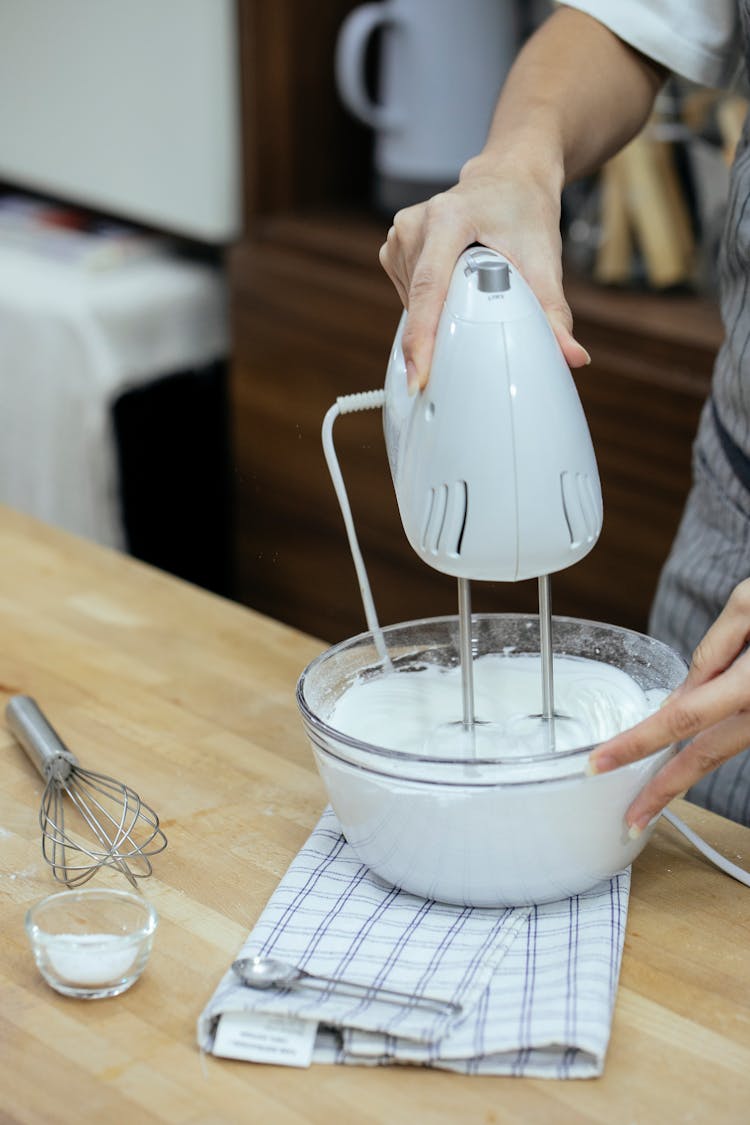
[71, 342]
[536, 984]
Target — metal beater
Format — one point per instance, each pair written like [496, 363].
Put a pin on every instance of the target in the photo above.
[123, 831]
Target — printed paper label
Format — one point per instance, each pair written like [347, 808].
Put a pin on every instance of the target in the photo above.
[262, 1038]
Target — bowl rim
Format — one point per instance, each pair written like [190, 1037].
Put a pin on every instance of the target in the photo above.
[73, 894]
[321, 727]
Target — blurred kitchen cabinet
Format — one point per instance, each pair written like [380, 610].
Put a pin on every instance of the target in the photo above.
[301, 149]
[313, 317]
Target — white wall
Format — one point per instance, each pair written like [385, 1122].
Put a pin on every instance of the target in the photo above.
[128, 106]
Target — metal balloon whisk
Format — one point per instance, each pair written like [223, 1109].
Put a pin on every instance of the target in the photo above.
[111, 826]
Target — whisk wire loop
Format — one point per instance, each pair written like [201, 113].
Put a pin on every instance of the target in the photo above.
[133, 812]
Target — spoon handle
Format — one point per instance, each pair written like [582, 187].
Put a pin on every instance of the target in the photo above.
[373, 992]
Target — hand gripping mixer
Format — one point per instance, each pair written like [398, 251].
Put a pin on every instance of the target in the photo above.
[493, 465]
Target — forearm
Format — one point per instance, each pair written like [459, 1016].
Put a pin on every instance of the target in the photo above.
[575, 95]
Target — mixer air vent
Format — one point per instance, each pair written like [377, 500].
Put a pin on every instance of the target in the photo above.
[462, 504]
[580, 508]
[445, 519]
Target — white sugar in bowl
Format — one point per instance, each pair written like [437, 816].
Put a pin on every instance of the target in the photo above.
[491, 822]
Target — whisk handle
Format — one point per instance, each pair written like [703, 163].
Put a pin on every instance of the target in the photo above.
[41, 742]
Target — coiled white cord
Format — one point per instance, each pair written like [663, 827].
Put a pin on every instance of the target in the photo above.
[350, 404]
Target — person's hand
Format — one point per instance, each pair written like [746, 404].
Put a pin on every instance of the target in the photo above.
[711, 707]
[515, 213]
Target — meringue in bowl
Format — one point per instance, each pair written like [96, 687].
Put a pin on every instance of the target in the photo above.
[505, 814]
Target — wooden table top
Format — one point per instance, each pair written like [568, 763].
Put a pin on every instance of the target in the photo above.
[190, 699]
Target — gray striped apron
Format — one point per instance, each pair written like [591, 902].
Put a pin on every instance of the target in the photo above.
[711, 551]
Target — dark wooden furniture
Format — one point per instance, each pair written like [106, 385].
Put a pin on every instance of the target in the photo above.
[313, 318]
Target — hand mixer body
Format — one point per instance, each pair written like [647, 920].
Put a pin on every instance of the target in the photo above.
[493, 465]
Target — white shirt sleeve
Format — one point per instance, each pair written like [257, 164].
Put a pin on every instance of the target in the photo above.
[699, 39]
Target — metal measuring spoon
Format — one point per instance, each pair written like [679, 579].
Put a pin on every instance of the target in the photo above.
[267, 972]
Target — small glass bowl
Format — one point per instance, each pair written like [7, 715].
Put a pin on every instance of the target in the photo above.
[91, 943]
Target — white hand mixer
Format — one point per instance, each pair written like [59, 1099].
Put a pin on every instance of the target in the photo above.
[493, 465]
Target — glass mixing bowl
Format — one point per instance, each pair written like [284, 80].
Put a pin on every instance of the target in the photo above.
[481, 830]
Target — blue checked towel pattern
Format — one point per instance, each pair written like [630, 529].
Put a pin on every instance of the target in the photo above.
[536, 985]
